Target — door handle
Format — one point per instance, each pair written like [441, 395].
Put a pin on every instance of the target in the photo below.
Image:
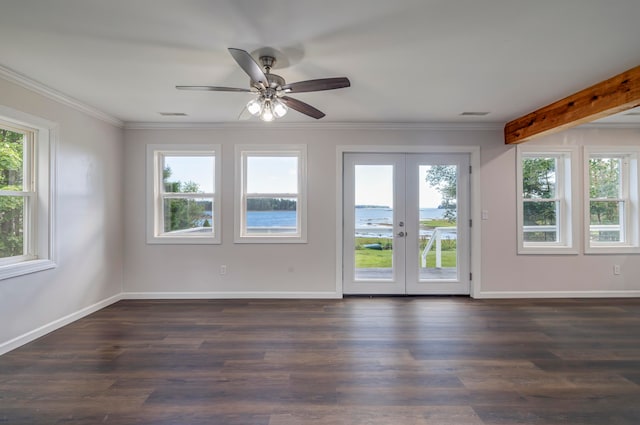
[401, 234]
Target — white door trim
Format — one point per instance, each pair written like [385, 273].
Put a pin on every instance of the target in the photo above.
[475, 201]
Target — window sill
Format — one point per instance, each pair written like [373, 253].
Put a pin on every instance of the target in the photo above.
[561, 250]
[168, 240]
[267, 239]
[26, 267]
[612, 250]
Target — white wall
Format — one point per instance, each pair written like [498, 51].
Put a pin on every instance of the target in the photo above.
[88, 227]
[310, 269]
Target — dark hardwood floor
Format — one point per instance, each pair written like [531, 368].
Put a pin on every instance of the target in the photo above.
[354, 361]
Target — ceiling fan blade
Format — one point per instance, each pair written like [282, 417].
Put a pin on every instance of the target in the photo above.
[302, 107]
[249, 66]
[212, 88]
[317, 85]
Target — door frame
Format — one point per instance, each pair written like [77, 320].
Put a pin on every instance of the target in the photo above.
[474, 201]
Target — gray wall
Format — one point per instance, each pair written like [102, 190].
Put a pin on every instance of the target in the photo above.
[310, 269]
[88, 221]
[100, 222]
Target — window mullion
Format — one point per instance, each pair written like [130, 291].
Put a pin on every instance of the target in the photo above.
[187, 195]
[271, 195]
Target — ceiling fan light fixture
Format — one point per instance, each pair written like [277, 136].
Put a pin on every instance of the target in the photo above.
[255, 106]
[267, 112]
[279, 108]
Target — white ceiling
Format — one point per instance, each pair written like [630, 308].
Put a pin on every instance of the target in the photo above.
[408, 60]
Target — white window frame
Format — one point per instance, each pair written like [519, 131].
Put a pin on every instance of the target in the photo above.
[39, 190]
[630, 227]
[567, 221]
[242, 152]
[155, 194]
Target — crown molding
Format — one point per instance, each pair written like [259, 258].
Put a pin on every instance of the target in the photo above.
[609, 125]
[37, 87]
[443, 126]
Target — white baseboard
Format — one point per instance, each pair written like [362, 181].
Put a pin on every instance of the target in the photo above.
[557, 294]
[227, 295]
[56, 324]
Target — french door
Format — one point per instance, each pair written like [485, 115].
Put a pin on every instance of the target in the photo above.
[406, 223]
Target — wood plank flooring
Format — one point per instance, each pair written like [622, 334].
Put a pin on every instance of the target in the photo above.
[355, 361]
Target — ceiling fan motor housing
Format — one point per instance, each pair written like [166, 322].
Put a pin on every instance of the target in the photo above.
[274, 81]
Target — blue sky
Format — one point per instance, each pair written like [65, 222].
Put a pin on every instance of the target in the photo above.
[278, 175]
[198, 169]
[374, 187]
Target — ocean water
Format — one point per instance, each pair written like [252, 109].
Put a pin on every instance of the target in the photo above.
[377, 222]
[271, 219]
[369, 221]
[384, 216]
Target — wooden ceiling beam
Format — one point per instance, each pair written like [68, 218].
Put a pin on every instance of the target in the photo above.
[608, 97]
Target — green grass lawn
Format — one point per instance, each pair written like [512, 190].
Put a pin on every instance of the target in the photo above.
[436, 223]
[372, 258]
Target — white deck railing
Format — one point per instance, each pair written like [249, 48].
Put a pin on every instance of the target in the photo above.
[436, 237]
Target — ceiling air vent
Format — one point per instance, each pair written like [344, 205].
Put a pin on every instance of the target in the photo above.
[173, 114]
[474, 114]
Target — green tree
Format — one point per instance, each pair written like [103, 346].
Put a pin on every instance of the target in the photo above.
[539, 182]
[444, 178]
[11, 207]
[271, 204]
[183, 213]
[604, 191]
[604, 184]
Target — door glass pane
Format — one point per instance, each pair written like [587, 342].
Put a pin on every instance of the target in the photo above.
[438, 255]
[373, 222]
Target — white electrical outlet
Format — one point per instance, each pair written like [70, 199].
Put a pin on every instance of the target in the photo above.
[223, 269]
[616, 269]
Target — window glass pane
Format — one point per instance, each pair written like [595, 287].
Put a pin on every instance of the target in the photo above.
[272, 216]
[11, 160]
[11, 226]
[540, 221]
[189, 174]
[192, 215]
[539, 178]
[606, 217]
[272, 174]
[605, 178]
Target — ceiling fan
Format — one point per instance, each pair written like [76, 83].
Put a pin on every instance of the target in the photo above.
[272, 100]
